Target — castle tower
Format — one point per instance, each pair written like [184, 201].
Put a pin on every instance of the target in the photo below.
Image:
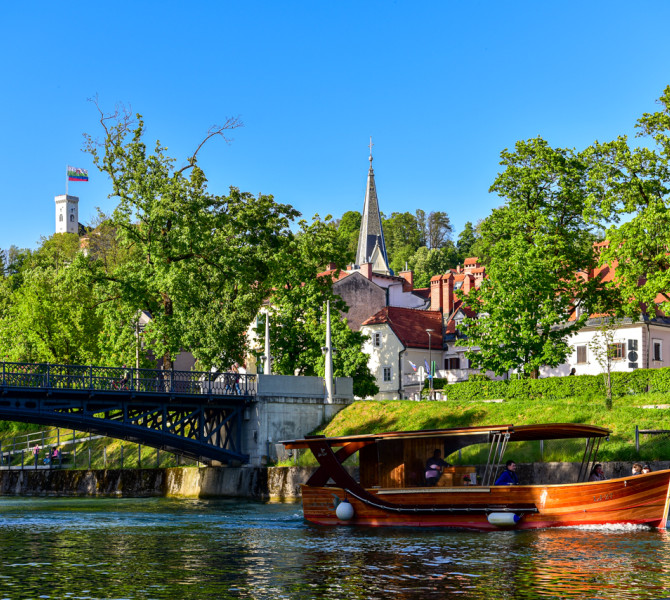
[371, 247]
[67, 214]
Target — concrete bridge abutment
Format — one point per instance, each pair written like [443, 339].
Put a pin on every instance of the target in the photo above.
[288, 407]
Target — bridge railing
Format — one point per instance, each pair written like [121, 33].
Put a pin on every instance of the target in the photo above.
[114, 379]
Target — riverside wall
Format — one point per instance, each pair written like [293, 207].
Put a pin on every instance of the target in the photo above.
[280, 484]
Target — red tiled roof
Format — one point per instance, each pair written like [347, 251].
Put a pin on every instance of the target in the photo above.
[423, 292]
[451, 324]
[471, 261]
[331, 273]
[410, 325]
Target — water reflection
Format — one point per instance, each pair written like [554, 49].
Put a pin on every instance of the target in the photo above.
[152, 548]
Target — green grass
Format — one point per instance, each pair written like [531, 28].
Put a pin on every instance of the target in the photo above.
[105, 452]
[627, 412]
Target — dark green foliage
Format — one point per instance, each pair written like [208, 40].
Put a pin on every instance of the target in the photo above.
[552, 388]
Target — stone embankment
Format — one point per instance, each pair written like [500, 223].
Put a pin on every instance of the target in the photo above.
[280, 483]
[257, 483]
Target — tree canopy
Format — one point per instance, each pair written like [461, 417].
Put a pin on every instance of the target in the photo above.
[629, 190]
[534, 246]
[297, 310]
[200, 264]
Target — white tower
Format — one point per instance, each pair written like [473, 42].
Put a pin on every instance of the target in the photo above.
[67, 214]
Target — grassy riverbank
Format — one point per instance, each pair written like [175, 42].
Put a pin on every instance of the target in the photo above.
[627, 412]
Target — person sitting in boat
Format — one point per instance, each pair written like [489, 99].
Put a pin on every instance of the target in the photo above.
[434, 466]
[646, 469]
[637, 469]
[508, 476]
[597, 473]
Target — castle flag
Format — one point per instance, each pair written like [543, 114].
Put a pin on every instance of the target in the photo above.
[75, 174]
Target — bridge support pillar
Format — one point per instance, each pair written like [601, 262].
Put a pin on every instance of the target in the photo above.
[288, 407]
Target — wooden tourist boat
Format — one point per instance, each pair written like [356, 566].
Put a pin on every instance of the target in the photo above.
[392, 490]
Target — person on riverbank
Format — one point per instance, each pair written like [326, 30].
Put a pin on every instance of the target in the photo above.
[597, 474]
[637, 469]
[36, 452]
[434, 467]
[508, 476]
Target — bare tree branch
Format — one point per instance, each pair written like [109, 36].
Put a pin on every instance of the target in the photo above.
[230, 124]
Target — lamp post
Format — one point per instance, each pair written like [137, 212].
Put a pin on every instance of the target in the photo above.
[430, 363]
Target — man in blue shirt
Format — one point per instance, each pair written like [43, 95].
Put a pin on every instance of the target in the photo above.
[508, 476]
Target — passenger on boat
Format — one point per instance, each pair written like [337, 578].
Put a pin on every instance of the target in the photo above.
[646, 469]
[434, 466]
[597, 473]
[508, 476]
[637, 469]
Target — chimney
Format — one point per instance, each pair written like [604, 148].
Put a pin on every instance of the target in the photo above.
[448, 293]
[468, 284]
[408, 284]
[435, 293]
[366, 270]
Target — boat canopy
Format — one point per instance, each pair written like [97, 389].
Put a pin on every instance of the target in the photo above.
[467, 435]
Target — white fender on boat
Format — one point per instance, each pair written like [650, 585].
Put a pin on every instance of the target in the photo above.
[344, 511]
[503, 519]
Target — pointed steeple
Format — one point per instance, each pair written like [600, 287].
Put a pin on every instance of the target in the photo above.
[371, 246]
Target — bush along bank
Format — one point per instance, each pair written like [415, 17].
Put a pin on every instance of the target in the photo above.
[555, 388]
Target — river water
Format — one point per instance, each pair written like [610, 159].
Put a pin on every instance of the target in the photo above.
[163, 548]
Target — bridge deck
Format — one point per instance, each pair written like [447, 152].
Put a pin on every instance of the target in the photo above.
[193, 413]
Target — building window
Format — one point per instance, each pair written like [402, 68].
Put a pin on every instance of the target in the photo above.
[616, 351]
[452, 363]
[657, 350]
[386, 376]
[377, 340]
[60, 218]
[581, 354]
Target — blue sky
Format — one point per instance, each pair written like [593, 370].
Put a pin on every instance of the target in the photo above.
[442, 87]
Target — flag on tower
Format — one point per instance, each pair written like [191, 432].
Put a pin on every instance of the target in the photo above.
[75, 174]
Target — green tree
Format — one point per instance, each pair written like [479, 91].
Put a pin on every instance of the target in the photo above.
[199, 263]
[466, 241]
[348, 229]
[50, 316]
[630, 190]
[439, 229]
[425, 263]
[297, 320]
[535, 244]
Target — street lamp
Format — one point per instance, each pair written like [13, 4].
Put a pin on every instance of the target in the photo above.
[430, 363]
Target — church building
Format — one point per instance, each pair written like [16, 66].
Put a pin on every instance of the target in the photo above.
[408, 327]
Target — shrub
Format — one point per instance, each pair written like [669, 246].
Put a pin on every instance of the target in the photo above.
[553, 388]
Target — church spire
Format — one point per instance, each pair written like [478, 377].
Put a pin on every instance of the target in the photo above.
[371, 246]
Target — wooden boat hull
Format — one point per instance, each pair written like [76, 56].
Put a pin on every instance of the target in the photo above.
[642, 499]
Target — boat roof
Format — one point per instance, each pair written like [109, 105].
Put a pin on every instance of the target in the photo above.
[517, 433]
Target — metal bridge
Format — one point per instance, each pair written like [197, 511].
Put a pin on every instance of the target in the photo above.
[196, 414]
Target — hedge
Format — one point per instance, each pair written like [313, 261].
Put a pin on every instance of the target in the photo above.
[634, 382]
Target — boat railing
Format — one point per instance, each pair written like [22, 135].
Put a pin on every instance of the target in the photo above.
[496, 453]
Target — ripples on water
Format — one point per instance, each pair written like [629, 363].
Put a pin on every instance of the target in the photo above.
[80, 549]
